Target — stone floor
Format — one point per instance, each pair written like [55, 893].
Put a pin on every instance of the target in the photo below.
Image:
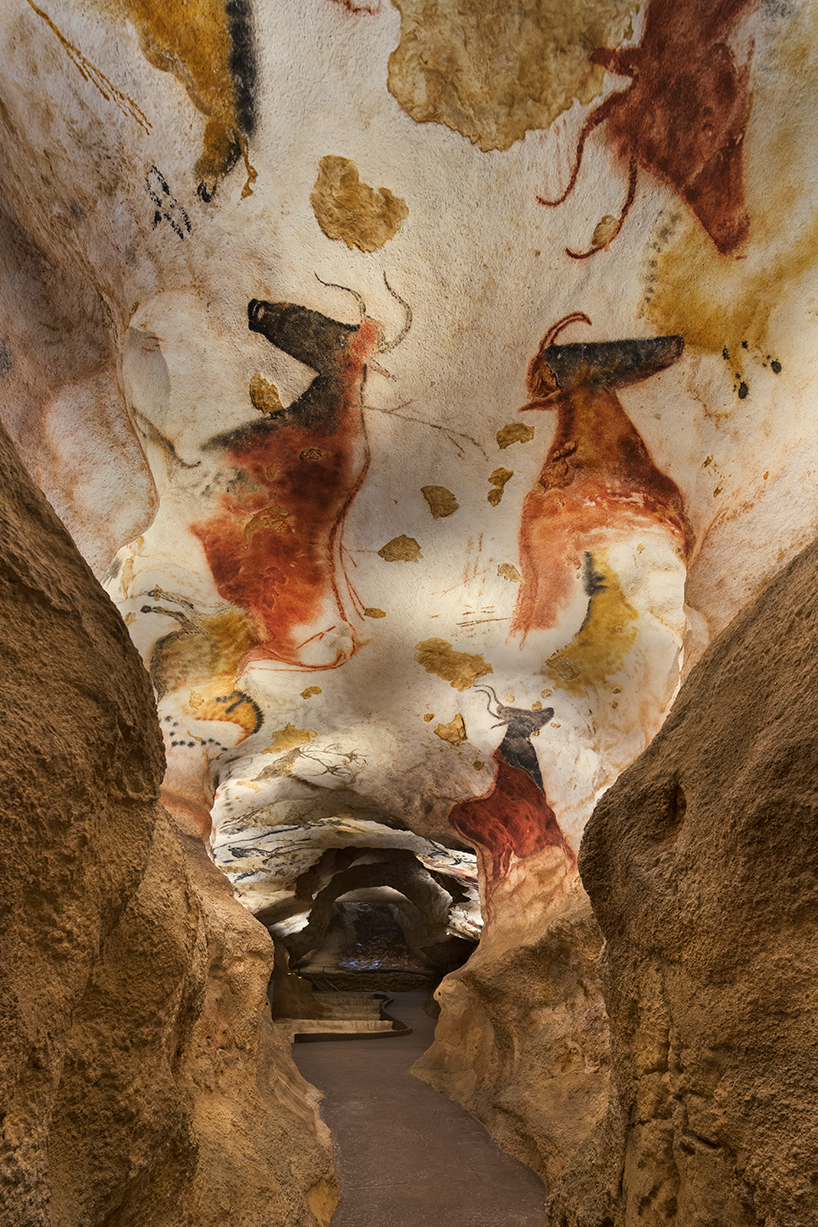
[406, 1155]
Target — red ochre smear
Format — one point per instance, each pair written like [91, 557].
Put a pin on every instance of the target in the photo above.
[273, 545]
[598, 476]
[515, 818]
[684, 116]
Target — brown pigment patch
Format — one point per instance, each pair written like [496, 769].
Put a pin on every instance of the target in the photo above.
[514, 432]
[454, 732]
[352, 212]
[498, 479]
[494, 71]
[265, 395]
[507, 570]
[310, 691]
[194, 41]
[441, 501]
[289, 738]
[401, 549]
[372, 612]
[460, 669]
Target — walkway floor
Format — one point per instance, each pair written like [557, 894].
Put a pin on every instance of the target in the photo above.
[406, 1155]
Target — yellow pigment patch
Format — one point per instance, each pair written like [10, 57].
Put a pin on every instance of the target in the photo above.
[514, 432]
[265, 395]
[192, 41]
[498, 479]
[493, 70]
[454, 732]
[441, 501]
[606, 229]
[460, 669]
[271, 520]
[289, 738]
[507, 570]
[372, 612]
[310, 691]
[401, 549]
[605, 639]
[352, 212]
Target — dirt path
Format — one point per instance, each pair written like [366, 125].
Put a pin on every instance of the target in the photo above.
[406, 1155]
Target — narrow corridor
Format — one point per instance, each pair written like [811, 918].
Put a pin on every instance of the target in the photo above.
[406, 1155]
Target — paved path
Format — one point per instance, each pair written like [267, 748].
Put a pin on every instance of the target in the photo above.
[406, 1155]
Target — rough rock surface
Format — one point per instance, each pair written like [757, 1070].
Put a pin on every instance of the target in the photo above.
[142, 1083]
[701, 864]
[522, 1040]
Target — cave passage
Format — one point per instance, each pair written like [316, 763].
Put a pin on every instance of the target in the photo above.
[406, 1154]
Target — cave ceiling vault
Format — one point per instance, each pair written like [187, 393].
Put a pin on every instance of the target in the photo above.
[427, 385]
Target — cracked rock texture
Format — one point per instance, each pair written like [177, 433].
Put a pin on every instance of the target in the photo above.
[142, 1082]
[701, 864]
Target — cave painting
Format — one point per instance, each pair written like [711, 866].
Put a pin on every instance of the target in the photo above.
[682, 118]
[264, 501]
[598, 469]
[602, 530]
[514, 818]
[273, 543]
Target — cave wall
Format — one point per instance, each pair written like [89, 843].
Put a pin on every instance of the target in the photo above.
[142, 1081]
[701, 866]
[427, 394]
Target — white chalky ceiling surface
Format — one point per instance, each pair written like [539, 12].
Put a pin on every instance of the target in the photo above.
[412, 566]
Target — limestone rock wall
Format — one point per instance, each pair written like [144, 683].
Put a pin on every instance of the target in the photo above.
[430, 383]
[701, 863]
[141, 1080]
[523, 1041]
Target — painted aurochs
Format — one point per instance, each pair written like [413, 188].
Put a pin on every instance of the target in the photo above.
[428, 385]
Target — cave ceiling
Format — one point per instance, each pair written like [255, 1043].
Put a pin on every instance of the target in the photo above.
[426, 386]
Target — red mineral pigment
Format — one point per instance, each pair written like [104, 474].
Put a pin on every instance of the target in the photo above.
[273, 545]
[515, 818]
[598, 473]
[684, 116]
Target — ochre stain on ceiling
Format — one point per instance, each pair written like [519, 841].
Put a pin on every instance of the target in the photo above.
[208, 46]
[289, 738]
[454, 732]
[460, 669]
[352, 212]
[265, 395]
[605, 638]
[514, 432]
[441, 501]
[493, 70]
[498, 480]
[507, 570]
[401, 549]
